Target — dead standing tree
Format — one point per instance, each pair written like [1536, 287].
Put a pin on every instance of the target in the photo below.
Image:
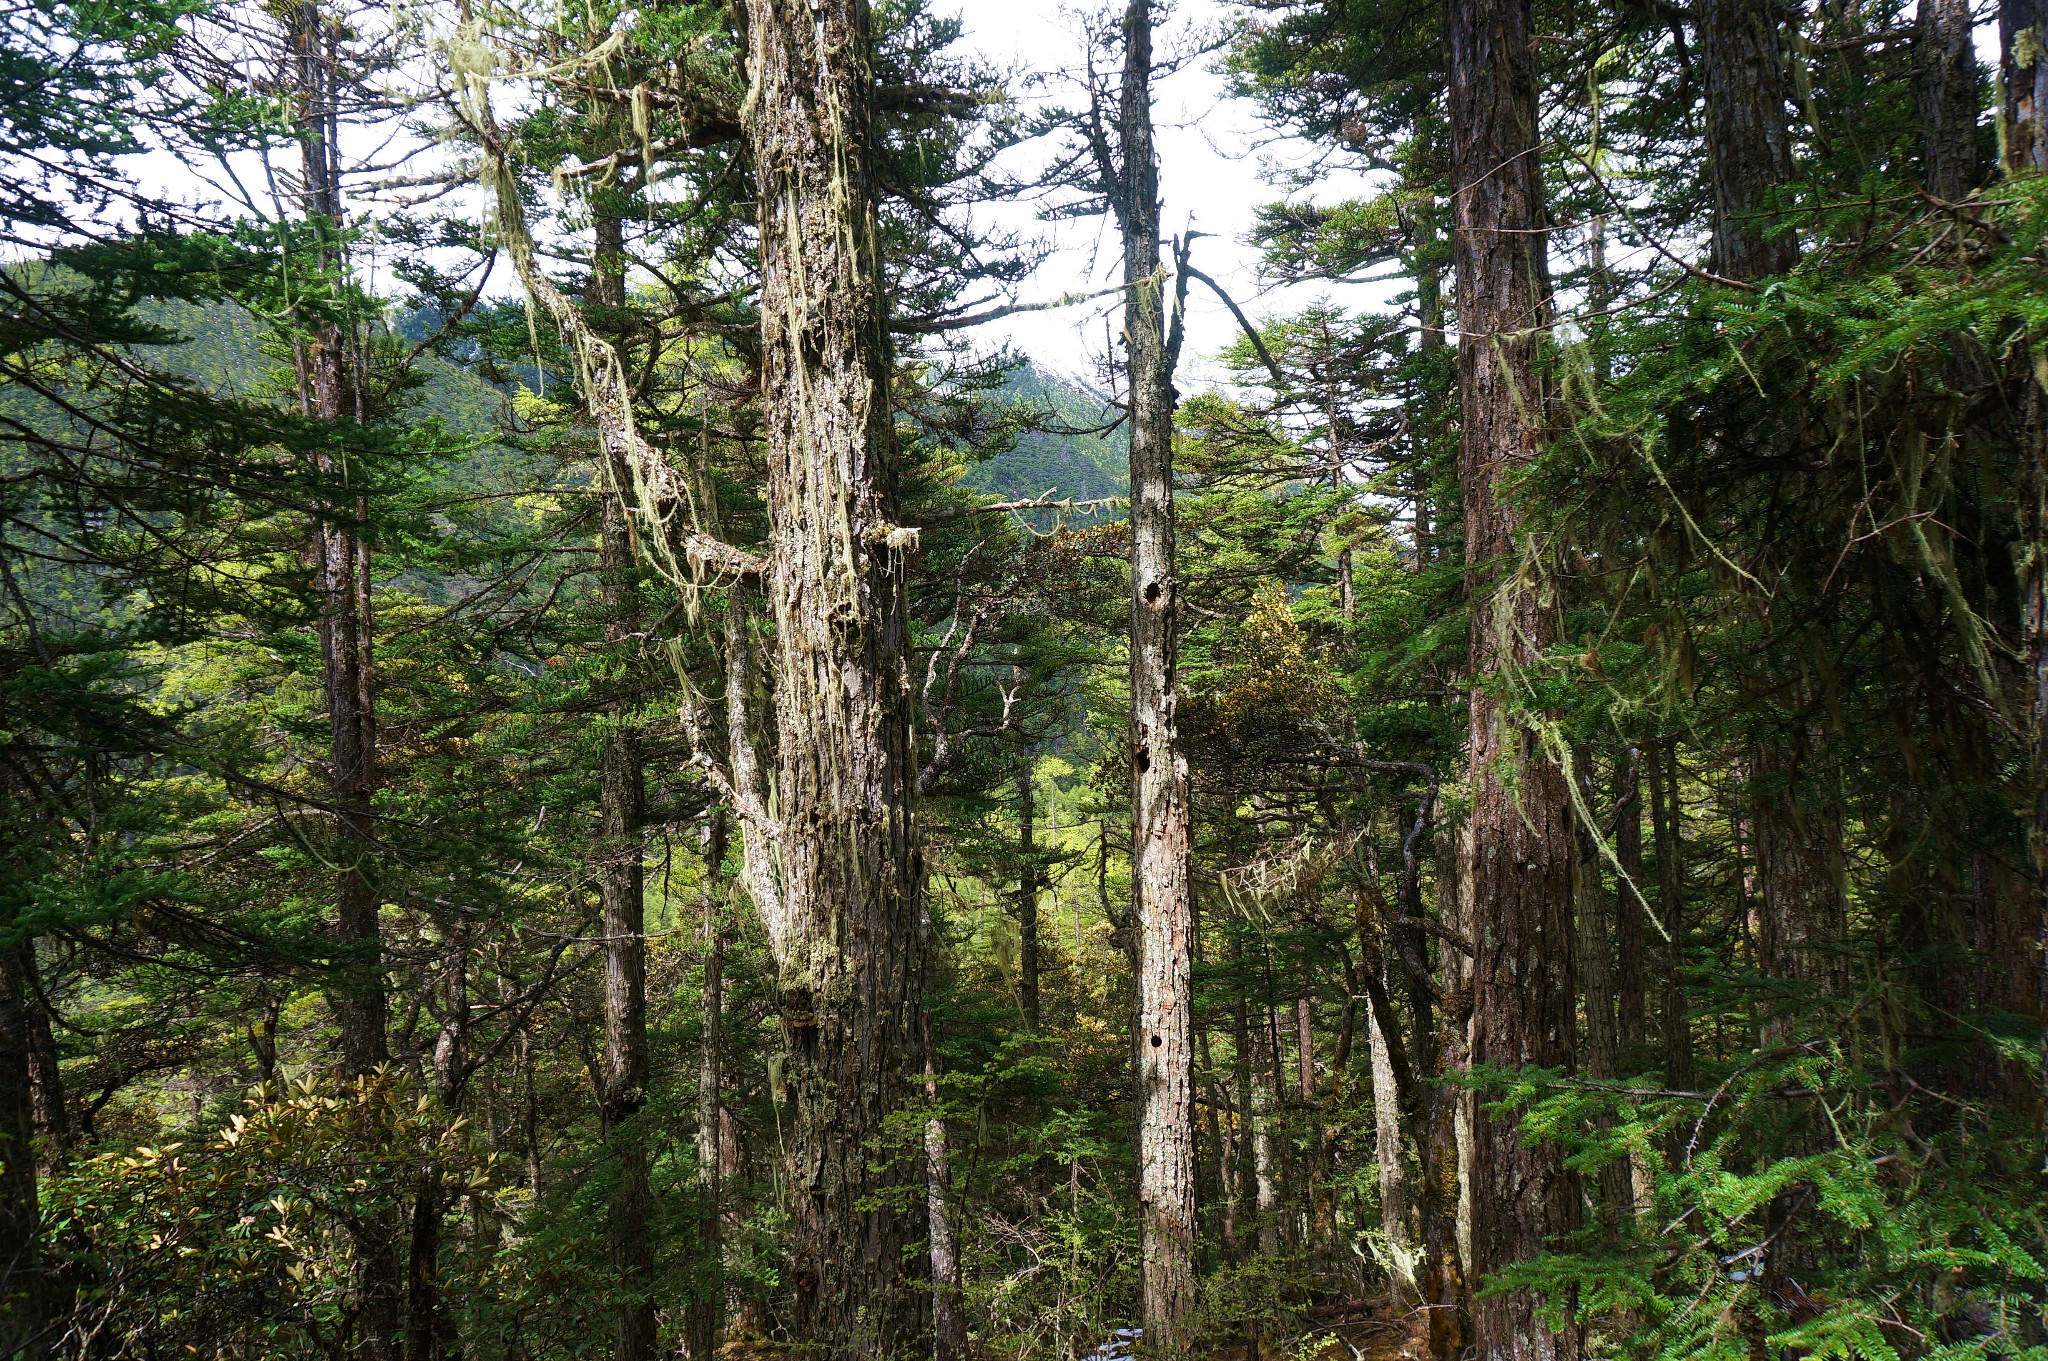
[1118, 130]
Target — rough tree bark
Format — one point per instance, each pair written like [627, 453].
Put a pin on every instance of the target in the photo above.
[1749, 135]
[1802, 915]
[1946, 84]
[621, 891]
[844, 926]
[342, 585]
[1522, 845]
[2027, 917]
[1427, 261]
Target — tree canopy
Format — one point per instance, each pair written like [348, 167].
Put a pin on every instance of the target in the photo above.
[589, 767]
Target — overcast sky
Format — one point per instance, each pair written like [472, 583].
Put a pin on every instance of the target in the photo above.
[1212, 151]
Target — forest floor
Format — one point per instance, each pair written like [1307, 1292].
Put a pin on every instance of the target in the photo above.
[1350, 1331]
[1354, 1330]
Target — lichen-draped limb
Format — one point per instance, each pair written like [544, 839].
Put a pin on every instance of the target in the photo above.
[660, 498]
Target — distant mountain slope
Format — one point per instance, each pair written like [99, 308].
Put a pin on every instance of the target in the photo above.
[1082, 467]
[223, 351]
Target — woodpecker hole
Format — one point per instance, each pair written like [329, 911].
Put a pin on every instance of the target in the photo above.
[1157, 1042]
[1144, 759]
[1152, 593]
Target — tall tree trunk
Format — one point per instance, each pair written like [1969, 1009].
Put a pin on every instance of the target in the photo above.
[1666, 810]
[1393, 1169]
[1749, 135]
[1801, 923]
[1220, 1129]
[949, 1313]
[430, 1331]
[1522, 844]
[1947, 84]
[341, 584]
[621, 890]
[1321, 1138]
[1631, 941]
[46, 1078]
[423, 1261]
[1159, 782]
[2008, 908]
[1304, 1049]
[1276, 1102]
[621, 787]
[707, 1298]
[1333, 435]
[2029, 913]
[1422, 1065]
[1245, 1095]
[1266, 1177]
[1802, 912]
[844, 927]
[23, 1306]
[1596, 974]
[1027, 893]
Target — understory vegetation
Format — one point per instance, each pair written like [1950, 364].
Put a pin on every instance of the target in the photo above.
[589, 767]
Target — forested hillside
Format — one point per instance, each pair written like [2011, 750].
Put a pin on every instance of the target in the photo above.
[1065, 443]
[589, 766]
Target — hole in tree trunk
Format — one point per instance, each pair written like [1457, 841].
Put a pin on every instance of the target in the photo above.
[1157, 1042]
[1144, 759]
[1152, 593]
